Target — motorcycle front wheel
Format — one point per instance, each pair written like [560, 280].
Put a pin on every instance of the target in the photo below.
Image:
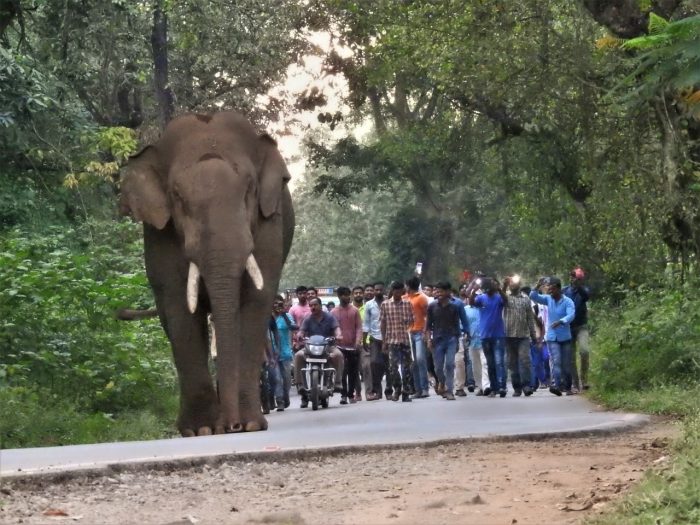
[314, 390]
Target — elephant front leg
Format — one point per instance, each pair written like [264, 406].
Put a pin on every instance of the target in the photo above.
[199, 406]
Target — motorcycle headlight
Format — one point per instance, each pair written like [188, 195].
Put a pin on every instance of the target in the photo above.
[316, 349]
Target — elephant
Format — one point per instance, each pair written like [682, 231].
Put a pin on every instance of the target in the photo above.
[218, 222]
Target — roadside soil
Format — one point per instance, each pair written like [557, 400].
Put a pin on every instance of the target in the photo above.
[555, 480]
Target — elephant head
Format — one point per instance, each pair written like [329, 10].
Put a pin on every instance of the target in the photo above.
[220, 189]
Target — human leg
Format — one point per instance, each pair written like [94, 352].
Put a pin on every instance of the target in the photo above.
[524, 365]
[584, 348]
[475, 361]
[450, 352]
[407, 385]
[420, 366]
[439, 351]
[377, 360]
[499, 353]
[335, 357]
[352, 366]
[460, 375]
[366, 365]
[488, 347]
[555, 363]
[566, 373]
[286, 373]
[469, 369]
[511, 344]
[299, 362]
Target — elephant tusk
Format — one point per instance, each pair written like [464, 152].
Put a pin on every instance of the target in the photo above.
[251, 265]
[192, 287]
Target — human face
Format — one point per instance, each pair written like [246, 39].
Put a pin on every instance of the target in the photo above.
[428, 290]
[303, 297]
[311, 294]
[315, 305]
[358, 296]
[378, 291]
[397, 294]
[344, 299]
[442, 295]
[278, 307]
[369, 293]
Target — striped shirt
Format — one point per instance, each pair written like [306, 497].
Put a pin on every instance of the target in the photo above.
[395, 318]
[518, 317]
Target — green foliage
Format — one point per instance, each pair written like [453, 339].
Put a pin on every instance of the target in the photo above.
[338, 244]
[58, 328]
[32, 418]
[647, 358]
[654, 339]
[670, 58]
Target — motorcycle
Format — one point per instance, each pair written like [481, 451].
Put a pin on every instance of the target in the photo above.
[319, 379]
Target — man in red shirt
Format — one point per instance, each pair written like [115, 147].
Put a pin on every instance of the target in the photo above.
[350, 323]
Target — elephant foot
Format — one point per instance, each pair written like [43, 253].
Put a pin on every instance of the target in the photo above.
[255, 426]
[198, 416]
[251, 424]
[204, 431]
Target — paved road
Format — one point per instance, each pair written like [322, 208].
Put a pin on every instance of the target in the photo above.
[365, 423]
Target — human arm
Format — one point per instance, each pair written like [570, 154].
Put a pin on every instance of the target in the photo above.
[382, 321]
[569, 316]
[463, 321]
[359, 336]
[531, 324]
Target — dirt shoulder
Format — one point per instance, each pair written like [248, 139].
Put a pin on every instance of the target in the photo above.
[557, 480]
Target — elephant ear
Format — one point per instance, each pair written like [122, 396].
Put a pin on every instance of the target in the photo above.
[273, 176]
[142, 192]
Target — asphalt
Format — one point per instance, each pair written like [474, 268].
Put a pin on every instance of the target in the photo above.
[364, 424]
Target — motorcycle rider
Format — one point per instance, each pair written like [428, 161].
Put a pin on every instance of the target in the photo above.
[319, 322]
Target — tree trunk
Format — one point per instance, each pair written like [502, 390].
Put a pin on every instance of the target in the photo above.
[159, 45]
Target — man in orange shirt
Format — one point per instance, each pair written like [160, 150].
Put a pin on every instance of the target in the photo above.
[419, 303]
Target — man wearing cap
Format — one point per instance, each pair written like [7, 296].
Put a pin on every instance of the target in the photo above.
[579, 294]
[561, 311]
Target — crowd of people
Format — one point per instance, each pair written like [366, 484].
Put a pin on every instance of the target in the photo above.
[418, 337]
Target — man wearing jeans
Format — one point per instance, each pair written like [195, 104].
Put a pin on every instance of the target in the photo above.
[560, 311]
[443, 329]
[419, 303]
[493, 334]
[519, 320]
[378, 359]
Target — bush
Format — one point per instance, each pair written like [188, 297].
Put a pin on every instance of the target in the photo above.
[651, 340]
[35, 418]
[57, 326]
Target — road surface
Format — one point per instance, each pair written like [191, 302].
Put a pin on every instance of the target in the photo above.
[365, 423]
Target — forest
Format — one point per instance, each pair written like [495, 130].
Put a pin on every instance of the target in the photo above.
[475, 135]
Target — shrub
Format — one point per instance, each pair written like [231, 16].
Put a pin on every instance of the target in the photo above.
[652, 339]
[57, 327]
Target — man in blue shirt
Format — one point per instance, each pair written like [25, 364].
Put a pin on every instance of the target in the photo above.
[493, 333]
[561, 312]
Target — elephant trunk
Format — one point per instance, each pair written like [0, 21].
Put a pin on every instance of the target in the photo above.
[224, 297]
